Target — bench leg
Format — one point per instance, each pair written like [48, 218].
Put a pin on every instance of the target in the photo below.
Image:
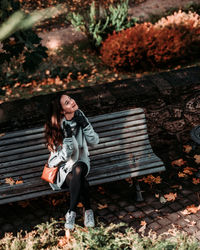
[138, 191]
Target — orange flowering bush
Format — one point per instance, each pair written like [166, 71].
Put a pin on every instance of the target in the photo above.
[190, 20]
[170, 40]
[128, 47]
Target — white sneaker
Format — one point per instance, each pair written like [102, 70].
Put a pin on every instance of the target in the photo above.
[89, 218]
[70, 220]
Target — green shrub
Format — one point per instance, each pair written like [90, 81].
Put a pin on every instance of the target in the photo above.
[99, 22]
[115, 236]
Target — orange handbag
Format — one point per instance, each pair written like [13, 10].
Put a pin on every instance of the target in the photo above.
[49, 174]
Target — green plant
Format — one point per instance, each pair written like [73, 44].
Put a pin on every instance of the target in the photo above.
[114, 236]
[99, 22]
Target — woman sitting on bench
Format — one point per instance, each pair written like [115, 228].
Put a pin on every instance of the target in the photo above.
[68, 133]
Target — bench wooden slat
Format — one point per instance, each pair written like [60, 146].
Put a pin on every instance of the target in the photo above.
[21, 133]
[95, 160]
[41, 146]
[124, 151]
[34, 151]
[106, 176]
[22, 170]
[20, 197]
[40, 130]
[127, 175]
[21, 161]
[29, 143]
[143, 143]
[100, 129]
[127, 164]
[41, 160]
[139, 118]
[110, 116]
[121, 168]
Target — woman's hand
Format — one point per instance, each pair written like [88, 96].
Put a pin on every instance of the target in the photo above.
[67, 130]
[80, 119]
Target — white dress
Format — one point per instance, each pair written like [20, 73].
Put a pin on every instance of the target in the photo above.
[73, 149]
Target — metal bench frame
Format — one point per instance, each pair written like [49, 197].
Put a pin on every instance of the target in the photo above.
[124, 151]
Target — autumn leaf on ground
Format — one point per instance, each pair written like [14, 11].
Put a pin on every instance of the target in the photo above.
[100, 206]
[180, 162]
[181, 175]
[189, 170]
[192, 209]
[170, 196]
[196, 181]
[187, 148]
[197, 158]
[151, 179]
[10, 181]
[143, 226]
[2, 134]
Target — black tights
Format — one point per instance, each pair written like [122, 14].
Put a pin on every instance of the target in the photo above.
[78, 186]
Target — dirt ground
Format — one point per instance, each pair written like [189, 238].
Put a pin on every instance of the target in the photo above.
[69, 35]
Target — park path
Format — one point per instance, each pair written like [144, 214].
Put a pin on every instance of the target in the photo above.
[68, 35]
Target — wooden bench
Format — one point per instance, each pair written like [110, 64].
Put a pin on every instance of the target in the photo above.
[124, 151]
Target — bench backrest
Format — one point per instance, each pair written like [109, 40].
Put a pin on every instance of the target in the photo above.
[124, 151]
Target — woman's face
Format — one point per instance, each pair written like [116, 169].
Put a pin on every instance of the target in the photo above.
[68, 104]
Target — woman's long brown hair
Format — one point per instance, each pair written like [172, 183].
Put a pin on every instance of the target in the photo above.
[53, 131]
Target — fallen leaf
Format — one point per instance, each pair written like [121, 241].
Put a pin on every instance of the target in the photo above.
[100, 206]
[143, 223]
[157, 195]
[196, 181]
[10, 181]
[19, 182]
[170, 196]
[187, 148]
[192, 209]
[143, 226]
[181, 175]
[180, 162]
[151, 179]
[2, 134]
[158, 180]
[189, 170]
[197, 158]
